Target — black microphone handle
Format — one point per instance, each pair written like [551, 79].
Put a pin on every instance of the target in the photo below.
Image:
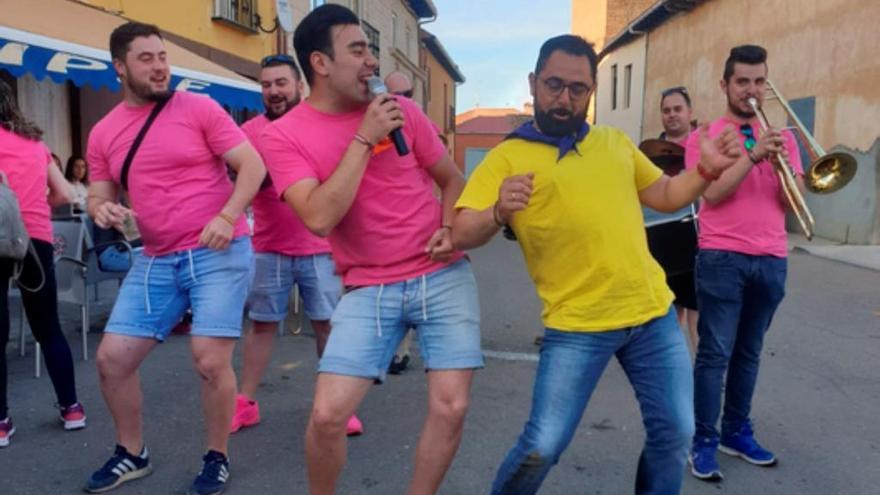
[399, 143]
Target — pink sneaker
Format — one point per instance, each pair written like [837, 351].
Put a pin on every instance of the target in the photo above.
[247, 413]
[354, 427]
[73, 417]
[6, 431]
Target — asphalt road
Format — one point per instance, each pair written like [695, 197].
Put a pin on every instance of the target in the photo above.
[817, 406]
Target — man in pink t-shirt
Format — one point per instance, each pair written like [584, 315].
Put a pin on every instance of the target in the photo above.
[197, 252]
[391, 241]
[286, 252]
[740, 269]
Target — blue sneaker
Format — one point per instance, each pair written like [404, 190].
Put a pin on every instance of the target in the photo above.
[121, 467]
[702, 460]
[212, 478]
[742, 444]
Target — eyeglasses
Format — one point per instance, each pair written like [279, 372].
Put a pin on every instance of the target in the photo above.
[408, 93]
[575, 89]
[678, 89]
[277, 59]
[749, 133]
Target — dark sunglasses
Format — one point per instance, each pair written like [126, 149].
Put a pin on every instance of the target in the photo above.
[277, 59]
[749, 133]
[678, 89]
[408, 93]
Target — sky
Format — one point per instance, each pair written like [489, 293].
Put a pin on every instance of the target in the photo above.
[495, 44]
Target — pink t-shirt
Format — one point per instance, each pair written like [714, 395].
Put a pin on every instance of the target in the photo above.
[752, 219]
[382, 238]
[277, 229]
[177, 181]
[25, 164]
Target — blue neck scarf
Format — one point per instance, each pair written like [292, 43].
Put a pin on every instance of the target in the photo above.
[567, 143]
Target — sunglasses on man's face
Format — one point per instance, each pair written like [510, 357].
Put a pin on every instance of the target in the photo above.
[678, 89]
[408, 93]
[275, 59]
[749, 133]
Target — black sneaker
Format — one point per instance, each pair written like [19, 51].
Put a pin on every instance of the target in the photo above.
[398, 364]
[212, 478]
[121, 467]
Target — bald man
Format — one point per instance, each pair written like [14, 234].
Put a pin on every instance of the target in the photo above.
[400, 84]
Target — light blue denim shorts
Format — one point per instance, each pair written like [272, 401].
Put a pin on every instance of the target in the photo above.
[315, 275]
[159, 289]
[370, 322]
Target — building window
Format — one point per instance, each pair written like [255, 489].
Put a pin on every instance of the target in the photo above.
[394, 35]
[317, 3]
[627, 84]
[450, 126]
[428, 78]
[614, 87]
[373, 39]
[408, 39]
[239, 13]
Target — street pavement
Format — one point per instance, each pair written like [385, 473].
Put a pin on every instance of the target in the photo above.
[817, 405]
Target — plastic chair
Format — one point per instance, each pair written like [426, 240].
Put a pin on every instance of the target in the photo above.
[77, 267]
[15, 293]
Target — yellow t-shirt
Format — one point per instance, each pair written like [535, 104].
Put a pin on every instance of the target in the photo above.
[582, 235]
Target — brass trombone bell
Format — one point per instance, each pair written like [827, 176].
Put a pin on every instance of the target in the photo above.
[827, 172]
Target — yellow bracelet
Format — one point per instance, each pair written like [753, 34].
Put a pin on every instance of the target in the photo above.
[228, 218]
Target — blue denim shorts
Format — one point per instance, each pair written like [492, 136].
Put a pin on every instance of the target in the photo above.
[159, 289]
[275, 275]
[370, 322]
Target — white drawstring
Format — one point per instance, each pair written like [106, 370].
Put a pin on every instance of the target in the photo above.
[424, 298]
[192, 269]
[147, 284]
[379, 310]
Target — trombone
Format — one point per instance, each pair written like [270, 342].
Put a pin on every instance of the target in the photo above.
[827, 172]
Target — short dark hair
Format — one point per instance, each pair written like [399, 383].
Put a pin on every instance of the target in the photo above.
[570, 44]
[313, 34]
[281, 59]
[744, 54]
[681, 90]
[122, 36]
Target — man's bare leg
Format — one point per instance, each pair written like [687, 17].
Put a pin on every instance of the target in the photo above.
[448, 398]
[118, 360]
[256, 352]
[322, 333]
[213, 360]
[336, 399]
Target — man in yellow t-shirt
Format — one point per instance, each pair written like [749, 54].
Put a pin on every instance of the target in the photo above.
[572, 195]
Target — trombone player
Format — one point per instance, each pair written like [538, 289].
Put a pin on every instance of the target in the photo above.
[740, 268]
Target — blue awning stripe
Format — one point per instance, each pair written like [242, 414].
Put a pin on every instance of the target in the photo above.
[22, 52]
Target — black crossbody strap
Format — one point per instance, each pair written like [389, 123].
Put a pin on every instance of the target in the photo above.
[140, 137]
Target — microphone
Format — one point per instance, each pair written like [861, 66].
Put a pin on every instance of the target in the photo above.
[377, 87]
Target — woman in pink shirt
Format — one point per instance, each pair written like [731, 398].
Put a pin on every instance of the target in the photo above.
[26, 167]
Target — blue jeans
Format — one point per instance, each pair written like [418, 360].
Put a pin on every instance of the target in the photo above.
[656, 360]
[737, 295]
